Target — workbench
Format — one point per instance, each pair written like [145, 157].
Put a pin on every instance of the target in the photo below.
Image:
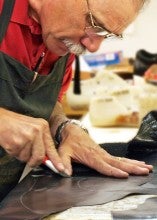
[103, 212]
[42, 193]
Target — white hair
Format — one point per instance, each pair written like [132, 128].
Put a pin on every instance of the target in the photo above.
[74, 48]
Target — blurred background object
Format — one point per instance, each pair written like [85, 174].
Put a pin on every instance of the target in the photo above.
[150, 74]
[144, 60]
[116, 86]
[98, 61]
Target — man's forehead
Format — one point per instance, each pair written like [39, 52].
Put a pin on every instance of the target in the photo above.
[136, 4]
[123, 7]
[114, 15]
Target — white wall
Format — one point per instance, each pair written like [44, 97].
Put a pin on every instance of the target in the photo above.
[143, 34]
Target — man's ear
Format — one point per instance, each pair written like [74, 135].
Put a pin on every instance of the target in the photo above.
[34, 9]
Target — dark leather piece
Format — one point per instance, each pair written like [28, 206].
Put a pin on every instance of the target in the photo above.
[148, 210]
[143, 60]
[146, 138]
[42, 192]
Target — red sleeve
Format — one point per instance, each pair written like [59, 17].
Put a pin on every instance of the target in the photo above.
[67, 77]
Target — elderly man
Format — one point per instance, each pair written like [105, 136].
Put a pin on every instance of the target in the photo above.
[38, 44]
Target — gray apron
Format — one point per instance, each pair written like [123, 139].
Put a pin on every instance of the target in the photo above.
[21, 94]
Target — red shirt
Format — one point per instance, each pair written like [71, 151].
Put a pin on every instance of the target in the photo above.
[23, 41]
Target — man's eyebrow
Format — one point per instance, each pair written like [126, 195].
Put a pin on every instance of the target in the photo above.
[99, 23]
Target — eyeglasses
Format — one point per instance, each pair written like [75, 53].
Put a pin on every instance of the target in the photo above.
[97, 30]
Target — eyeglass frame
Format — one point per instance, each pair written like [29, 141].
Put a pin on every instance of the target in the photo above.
[106, 35]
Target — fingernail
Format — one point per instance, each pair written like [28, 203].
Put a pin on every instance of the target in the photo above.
[67, 172]
[61, 167]
[145, 170]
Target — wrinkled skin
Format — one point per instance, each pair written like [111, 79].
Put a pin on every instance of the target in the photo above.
[30, 139]
[69, 19]
[78, 146]
[26, 138]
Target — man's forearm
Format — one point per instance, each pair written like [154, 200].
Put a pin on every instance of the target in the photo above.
[57, 117]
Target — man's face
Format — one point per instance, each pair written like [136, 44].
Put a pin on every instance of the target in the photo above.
[64, 23]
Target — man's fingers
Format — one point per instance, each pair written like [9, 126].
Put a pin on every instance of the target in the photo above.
[98, 159]
[129, 166]
[51, 152]
[104, 163]
[139, 163]
[66, 160]
[38, 152]
[104, 168]
[25, 153]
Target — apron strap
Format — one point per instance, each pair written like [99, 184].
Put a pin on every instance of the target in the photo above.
[5, 16]
[77, 83]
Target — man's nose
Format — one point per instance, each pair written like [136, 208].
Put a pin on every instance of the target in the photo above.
[92, 43]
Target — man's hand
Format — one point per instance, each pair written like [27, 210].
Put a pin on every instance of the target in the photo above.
[77, 146]
[27, 138]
